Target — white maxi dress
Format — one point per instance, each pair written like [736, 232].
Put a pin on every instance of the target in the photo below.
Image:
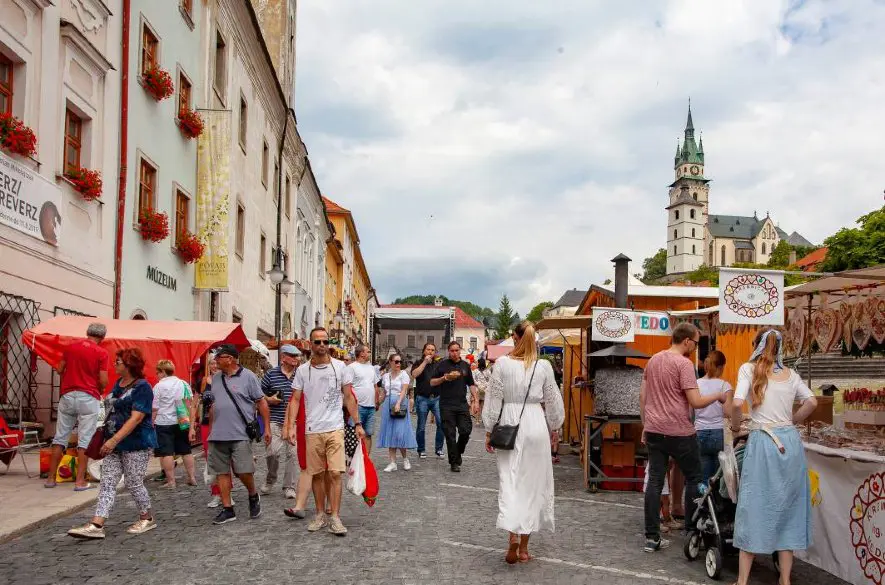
[525, 495]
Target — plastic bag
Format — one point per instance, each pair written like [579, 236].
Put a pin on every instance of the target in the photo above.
[356, 476]
[371, 491]
[182, 408]
[67, 469]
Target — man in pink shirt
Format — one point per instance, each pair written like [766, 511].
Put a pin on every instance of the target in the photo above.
[669, 392]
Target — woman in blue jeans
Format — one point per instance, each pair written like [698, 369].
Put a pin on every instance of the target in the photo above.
[710, 421]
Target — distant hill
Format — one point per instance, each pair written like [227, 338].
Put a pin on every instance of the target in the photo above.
[471, 309]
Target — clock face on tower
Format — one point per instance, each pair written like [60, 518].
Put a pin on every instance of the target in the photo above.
[695, 170]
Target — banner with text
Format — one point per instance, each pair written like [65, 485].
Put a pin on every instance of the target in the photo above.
[28, 202]
[751, 297]
[613, 325]
[213, 200]
[848, 515]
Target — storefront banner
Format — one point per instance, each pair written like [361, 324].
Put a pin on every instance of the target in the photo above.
[613, 325]
[28, 202]
[213, 200]
[848, 514]
[751, 297]
[653, 324]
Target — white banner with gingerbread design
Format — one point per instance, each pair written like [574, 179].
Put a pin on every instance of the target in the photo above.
[613, 325]
[848, 514]
[751, 297]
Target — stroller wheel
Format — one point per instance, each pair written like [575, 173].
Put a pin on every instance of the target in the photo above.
[713, 563]
[692, 546]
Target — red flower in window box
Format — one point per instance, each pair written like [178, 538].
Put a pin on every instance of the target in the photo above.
[189, 247]
[190, 123]
[158, 83]
[86, 182]
[153, 225]
[16, 137]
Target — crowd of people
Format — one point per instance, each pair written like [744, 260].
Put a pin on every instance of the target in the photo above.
[315, 413]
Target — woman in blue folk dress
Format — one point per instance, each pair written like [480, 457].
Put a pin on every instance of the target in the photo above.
[396, 424]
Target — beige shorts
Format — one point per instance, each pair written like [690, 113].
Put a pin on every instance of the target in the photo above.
[325, 452]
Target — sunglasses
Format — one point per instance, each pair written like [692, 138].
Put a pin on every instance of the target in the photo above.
[321, 342]
[397, 361]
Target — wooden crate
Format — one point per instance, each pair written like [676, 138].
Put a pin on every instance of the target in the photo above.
[618, 453]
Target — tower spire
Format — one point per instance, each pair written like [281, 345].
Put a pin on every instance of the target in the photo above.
[689, 124]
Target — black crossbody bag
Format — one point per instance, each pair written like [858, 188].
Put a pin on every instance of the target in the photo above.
[504, 436]
[393, 412]
[253, 431]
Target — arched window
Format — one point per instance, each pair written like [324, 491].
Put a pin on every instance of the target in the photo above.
[691, 213]
[711, 254]
[676, 213]
[695, 195]
[674, 250]
[723, 257]
[692, 232]
[763, 247]
[692, 249]
[675, 234]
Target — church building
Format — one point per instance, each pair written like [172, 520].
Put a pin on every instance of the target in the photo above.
[695, 236]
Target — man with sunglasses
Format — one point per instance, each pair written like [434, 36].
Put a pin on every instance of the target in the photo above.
[668, 392]
[327, 387]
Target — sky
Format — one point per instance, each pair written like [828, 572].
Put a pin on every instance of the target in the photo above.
[517, 146]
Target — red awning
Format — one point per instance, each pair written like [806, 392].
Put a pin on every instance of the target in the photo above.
[182, 342]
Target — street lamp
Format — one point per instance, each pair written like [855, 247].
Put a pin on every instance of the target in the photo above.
[338, 326]
[282, 285]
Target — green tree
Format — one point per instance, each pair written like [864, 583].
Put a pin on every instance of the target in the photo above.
[537, 313]
[503, 318]
[702, 274]
[655, 267]
[858, 247]
[780, 256]
[471, 309]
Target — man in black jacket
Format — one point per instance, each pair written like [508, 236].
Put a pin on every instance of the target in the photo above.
[453, 377]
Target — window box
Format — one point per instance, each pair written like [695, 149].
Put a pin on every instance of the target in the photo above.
[158, 83]
[188, 246]
[86, 182]
[153, 225]
[17, 138]
[190, 123]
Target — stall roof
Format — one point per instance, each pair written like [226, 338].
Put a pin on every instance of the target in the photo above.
[683, 292]
[863, 277]
[706, 311]
[566, 322]
[412, 317]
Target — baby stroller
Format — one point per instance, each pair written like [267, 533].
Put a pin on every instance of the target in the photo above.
[712, 526]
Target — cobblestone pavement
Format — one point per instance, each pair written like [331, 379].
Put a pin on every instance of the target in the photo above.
[429, 526]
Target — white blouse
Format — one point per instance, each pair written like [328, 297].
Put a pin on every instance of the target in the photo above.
[394, 386]
[777, 406]
[508, 385]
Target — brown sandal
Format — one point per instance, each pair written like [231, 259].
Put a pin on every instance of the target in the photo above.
[525, 557]
[512, 553]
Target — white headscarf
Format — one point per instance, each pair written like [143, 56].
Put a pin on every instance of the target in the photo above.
[771, 336]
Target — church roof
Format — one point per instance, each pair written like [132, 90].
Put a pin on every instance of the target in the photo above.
[796, 239]
[684, 199]
[743, 245]
[571, 298]
[738, 227]
[690, 152]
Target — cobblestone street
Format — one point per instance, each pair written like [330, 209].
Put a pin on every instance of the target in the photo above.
[429, 526]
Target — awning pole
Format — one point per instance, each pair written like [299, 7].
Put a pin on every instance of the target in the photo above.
[808, 330]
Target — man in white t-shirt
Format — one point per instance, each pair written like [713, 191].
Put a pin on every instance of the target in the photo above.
[327, 386]
[365, 380]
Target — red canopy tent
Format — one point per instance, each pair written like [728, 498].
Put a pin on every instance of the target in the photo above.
[183, 342]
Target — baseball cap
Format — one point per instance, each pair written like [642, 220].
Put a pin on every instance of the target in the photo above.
[227, 349]
[289, 349]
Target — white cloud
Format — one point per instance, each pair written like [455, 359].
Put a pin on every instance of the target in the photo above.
[473, 133]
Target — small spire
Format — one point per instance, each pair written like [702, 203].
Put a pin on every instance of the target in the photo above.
[689, 125]
[701, 144]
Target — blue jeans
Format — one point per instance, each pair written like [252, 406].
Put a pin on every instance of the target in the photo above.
[424, 405]
[367, 419]
[711, 442]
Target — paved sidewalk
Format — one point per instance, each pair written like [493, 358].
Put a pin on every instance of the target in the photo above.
[429, 526]
[25, 504]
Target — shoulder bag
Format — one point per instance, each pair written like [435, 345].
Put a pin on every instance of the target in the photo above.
[402, 413]
[253, 431]
[504, 436]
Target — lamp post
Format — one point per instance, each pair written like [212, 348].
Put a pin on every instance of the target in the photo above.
[338, 326]
[282, 285]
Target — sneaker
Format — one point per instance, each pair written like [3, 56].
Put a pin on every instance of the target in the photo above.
[254, 506]
[266, 489]
[88, 531]
[456, 468]
[214, 502]
[142, 526]
[226, 515]
[390, 467]
[439, 454]
[295, 513]
[406, 464]
[652, 545]
[290, 493]
[337, 527]
[317, 523]
[422, 455]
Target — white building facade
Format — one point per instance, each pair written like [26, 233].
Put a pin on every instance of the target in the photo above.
[59, 75]
[312, 231]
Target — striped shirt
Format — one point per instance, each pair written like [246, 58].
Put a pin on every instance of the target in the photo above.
[276, 383]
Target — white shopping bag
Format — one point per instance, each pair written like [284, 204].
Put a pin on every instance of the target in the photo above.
[356, 475]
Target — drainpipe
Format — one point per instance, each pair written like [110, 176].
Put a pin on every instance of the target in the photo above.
[124, 154]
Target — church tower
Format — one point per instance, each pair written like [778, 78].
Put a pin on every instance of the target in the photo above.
[688, 208]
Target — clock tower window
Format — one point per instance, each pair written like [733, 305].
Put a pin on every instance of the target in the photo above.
[691, 213]
[675, 236]
[677, 213]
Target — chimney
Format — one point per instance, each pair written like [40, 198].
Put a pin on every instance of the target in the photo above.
[792, 257]
[622, 280]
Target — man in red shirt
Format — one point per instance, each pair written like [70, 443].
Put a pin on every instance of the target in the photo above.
[669, 391]
[84, 375]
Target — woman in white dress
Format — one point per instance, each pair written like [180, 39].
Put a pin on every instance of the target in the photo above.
[525, 495]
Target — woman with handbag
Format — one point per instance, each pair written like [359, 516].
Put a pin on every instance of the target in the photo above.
[129, 439]
[171, 415]
[396, 424]
[518, 430]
